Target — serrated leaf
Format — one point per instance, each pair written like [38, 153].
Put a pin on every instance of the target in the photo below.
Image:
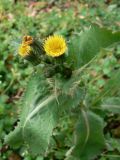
[40, 113]
[37, 89]
[38, 117]
[84, 47]
[38, 128]
[89, 138]
[15, 137]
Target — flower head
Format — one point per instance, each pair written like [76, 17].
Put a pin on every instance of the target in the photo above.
[25, 48]
[55, 46]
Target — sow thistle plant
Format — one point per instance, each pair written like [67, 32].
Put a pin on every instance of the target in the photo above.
[56, 90]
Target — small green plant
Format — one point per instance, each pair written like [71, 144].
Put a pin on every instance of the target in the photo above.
[57, 96]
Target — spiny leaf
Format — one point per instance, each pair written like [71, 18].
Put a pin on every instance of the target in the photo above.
[86, 46]
[40, 113]
[15, 137]
[38, 117]
[37, 88]
[38, 128]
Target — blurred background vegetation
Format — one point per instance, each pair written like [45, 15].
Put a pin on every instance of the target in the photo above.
[41, 19]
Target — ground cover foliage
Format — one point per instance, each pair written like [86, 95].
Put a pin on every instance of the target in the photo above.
[87, 126]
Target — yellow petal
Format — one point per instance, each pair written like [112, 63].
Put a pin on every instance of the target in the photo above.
[55, 46]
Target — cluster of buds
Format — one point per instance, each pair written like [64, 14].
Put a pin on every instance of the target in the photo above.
[31, 49]
[51, 53]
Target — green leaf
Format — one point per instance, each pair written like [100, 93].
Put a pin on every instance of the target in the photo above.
[71, 90]
[40, 112]
[37, 89]
[111, 104]
[39, 125]
[89, 138]
[38, 117]
[84, 47]
[15, 137]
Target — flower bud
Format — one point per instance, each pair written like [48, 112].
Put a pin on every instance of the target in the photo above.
[31, 49]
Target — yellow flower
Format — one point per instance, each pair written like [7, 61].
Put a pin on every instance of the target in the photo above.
[25, 48]
[55, 46]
